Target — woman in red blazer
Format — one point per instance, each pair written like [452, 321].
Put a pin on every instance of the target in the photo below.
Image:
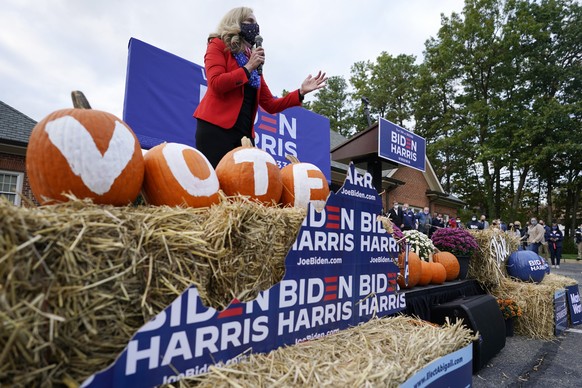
[236, 86]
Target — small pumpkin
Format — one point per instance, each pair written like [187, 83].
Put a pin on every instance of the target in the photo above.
[303, 183]
[439, 273]
[179, 175]
[252, 172]
[84, 152]
[425, 273]
[450, 262]
[414, 270]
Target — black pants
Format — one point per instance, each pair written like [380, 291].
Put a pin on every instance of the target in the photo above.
[215, 142]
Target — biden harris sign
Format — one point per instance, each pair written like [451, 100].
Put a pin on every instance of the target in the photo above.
[400, 145]
[163, 90]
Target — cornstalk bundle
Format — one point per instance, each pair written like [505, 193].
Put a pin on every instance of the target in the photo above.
[78, 280]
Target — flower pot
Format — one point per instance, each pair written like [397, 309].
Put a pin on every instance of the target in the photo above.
[509, 327]
[464, 264]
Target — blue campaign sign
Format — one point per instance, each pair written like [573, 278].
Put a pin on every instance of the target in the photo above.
[560, 312]
[574, 304]
[163, 90]
[400, 145]
[340, 271]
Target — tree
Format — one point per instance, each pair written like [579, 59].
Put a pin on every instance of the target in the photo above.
[333, 102]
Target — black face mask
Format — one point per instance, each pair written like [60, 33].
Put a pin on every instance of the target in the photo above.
[249, 32]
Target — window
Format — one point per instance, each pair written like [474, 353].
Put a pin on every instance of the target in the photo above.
[11, 185]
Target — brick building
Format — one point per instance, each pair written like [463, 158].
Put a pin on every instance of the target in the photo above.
[15, 129]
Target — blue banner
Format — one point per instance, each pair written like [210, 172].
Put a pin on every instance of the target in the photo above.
[340, 271]
[560, 312]
[400, 145]
[574, 304]
[163, 90]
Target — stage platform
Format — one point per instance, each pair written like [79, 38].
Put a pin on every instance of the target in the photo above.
[421, 299]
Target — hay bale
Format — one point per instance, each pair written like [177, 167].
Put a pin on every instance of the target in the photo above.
[382, 352]
[536, 302]
[78, 280]
[487, 265]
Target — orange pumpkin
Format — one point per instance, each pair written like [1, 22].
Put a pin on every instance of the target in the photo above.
[414, 270]
[450, 262]
[425, 273]
[176, 174]
[439, 274]
[250, 171]
[303, 183]
[84, 152]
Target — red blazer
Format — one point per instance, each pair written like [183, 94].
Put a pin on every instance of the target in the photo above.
[226, 79]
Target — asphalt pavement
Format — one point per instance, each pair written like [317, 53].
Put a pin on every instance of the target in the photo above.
[525, 362]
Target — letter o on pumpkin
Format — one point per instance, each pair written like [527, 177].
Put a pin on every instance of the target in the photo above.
[87, 153]
[179, 175]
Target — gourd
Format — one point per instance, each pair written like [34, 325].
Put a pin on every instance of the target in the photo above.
[425, 273]
[439, 273]
[450, 263]
[414, 270]
[84, 152]
[303, 183]
[252, 172]
[179, 175]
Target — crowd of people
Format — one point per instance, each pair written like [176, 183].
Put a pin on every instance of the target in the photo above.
[536, 236]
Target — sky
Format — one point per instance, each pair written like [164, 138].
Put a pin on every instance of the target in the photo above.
[49, 48]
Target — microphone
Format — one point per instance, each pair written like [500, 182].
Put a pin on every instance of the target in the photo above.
[259, 43]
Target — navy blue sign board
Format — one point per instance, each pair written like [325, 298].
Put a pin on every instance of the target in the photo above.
[341, 271]
[400, 145]
[574, 304]
[163, 90]
[560, 311]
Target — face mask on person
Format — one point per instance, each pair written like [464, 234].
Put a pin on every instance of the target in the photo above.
[533, 222]
[249, 32]
[474, 218]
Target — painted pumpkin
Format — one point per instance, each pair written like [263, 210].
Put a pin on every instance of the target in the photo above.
[252, 172]
[527, 266]
[450, 262]
[414, 270]
[84, 152]
[303, 183]
[439, 273]
[179, 175]
[425, 273]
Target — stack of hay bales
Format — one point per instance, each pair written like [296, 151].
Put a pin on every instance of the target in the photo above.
[535, 300]
[380, 353]
[78, 280]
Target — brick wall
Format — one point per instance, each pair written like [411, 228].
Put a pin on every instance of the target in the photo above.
[17, 163]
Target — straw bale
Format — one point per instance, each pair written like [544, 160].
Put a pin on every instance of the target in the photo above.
[77, 280]
[487, 265]
[537, 303]
[379, 353]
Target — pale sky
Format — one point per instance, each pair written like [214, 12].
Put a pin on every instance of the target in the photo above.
[50, 47]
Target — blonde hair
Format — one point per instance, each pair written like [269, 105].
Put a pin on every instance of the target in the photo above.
[229, 28]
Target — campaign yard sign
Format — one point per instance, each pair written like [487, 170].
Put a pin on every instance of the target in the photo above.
[560, 311]
[163, 90]
[574, 304]
[400, 145]
[341, 271]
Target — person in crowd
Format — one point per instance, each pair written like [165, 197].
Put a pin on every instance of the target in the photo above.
[555, 238]
[578, 240]
[502, 225]
[543, 251]
[236, 86]
[483, 222]
[424, 221]
[473, 224]
[437, 223]
[395, 214]
[452, 223]
[408, 218]
[459, 223]
[494, 224]
[535, 235]
[524, 236]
